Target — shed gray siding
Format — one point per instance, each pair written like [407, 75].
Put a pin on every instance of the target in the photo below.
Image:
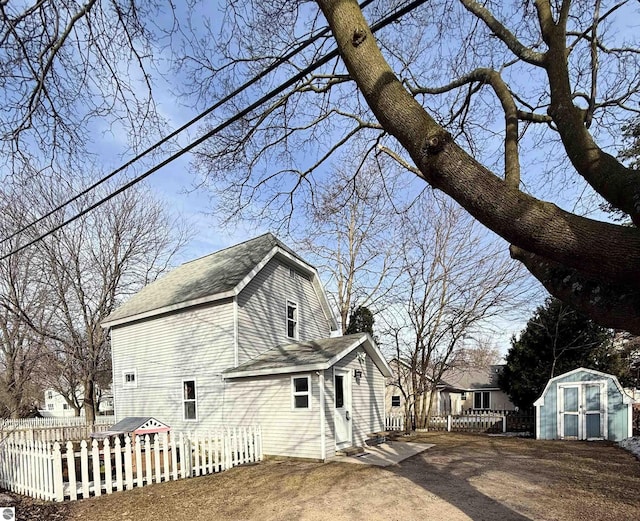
[197, 343]
[262, 305]
[617, 411]
[267, 400]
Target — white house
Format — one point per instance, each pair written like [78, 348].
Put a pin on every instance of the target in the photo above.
[56, 406]
[460, 390]
[244, 336]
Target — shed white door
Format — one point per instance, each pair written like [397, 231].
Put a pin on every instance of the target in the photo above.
[342, 404]
[582, 410]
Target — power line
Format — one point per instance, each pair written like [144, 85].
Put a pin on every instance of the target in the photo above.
[274, 65]
[274, 92]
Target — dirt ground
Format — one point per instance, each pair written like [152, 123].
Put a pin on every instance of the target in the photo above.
[463, 477]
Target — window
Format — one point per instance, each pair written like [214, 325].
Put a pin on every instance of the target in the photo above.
[189, 399]
[50, 406]
[339, 385]
[395, 401]
[129, 379]
[463, 396]
[50, 395]
[292, 319]
[482, 400]
[300, 390]
[65, 406]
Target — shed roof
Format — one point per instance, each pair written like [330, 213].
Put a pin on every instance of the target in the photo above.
[592, 372]
[218, 275]
[312, 355]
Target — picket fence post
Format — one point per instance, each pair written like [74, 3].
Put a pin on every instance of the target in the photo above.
[58, 485]
[128, 466]
[84, 468]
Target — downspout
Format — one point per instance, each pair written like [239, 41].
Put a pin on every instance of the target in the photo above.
[235, 331]
[323, 440]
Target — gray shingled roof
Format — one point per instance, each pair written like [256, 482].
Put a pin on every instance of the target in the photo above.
[306, 355]
[469, 379]
[211, 275]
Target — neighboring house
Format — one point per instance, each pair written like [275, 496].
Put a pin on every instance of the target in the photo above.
[244, 336]
[472, 389]
[459, 390]
[55, 405]
[584, 404]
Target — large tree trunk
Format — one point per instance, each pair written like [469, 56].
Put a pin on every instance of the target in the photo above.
[596, 250]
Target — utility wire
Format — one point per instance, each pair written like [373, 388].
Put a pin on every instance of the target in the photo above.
[271, 94]
[274, 65]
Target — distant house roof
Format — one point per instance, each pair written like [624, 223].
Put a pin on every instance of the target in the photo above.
[312, 355]
[220, 275]
[471, 379]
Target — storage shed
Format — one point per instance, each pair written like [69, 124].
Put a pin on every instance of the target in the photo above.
[584, 404]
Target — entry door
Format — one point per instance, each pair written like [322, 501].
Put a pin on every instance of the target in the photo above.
[342, 405]
[581, 411]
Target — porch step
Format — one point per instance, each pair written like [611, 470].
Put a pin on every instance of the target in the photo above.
[350, 451]
[376, 438]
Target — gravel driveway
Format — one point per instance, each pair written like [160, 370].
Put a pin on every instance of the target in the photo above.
[463, 477]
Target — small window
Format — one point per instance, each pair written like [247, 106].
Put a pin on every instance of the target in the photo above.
[50, 406]
[292, 319]
[189, 399]
[292, 273]
[65, 406]
[300, 389]
[463, 396]
[50, 395]
[129, 379]
[482, 400]
[395, 401]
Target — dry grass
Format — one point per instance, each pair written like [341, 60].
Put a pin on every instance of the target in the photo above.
[463, 477]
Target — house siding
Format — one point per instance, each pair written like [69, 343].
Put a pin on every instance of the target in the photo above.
[267, 401]
[262, 310]
[195, 344]
[367, 396]
[617, 411]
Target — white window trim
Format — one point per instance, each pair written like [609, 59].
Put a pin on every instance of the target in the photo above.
[481, 400]
[184, 400]
[297, 319]
[300, 393]
[130, 385]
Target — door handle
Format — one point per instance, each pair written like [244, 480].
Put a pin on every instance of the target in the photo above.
[347, 416]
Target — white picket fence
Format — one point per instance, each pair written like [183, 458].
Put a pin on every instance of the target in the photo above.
[468, 422]
[31, 423]
[394, 423]
[51, 434]
[71, 471]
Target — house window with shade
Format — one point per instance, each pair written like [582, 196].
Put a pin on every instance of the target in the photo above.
[292, 319]
[189, 400]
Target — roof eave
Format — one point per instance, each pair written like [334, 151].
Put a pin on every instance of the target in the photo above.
[168, 309]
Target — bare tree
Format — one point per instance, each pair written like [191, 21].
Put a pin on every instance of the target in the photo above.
[68, 67]
[352, 235]
[90, 266]
[556, 79]
[456, 281]
[21, 348]
[453, 78]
